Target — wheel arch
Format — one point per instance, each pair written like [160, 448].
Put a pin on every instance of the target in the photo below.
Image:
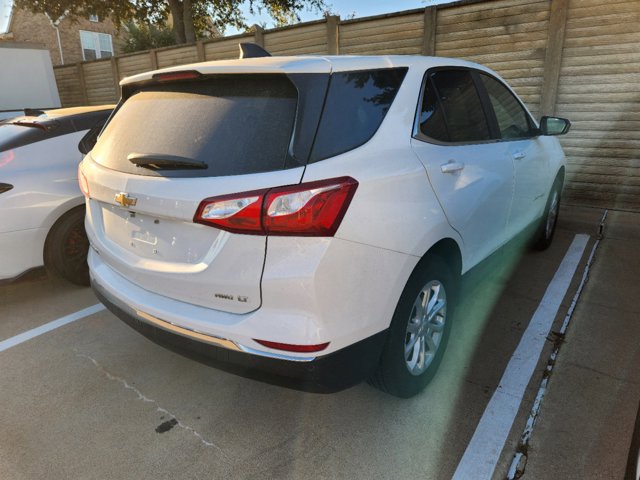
[62, 210]
[560, 175]
[448, 250]
[558, 179]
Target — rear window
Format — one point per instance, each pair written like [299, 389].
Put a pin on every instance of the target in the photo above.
[236, 124]
[356, 104]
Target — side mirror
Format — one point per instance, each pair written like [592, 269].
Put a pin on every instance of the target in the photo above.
[89, 140]
[554, 126]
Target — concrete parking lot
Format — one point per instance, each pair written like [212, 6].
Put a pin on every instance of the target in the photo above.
[94, 399]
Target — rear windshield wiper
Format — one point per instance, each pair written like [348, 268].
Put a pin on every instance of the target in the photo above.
[154, 161]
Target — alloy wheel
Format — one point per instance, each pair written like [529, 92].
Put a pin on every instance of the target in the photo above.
[425, 328]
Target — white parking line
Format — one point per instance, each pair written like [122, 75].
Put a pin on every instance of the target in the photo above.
[47, 327]
[481, 456]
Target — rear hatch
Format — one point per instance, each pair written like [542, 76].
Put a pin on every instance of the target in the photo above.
[170, 145]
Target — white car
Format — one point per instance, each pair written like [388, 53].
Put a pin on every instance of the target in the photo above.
[41, 206]
[305, 220]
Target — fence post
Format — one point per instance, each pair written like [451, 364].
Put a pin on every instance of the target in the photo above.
[553, 56]
[154, 59]
[82, 83]
[258, 35]
[200, 50]
[116, 77]
[429, 36]
[333, 35]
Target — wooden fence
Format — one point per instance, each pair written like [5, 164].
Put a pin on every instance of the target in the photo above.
[574, 58]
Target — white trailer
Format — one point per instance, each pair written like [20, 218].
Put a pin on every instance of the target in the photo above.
[26, 79]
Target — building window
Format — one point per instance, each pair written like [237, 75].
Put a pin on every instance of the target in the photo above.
[95, 45]
[94, 18]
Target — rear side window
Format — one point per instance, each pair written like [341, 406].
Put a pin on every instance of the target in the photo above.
[236, 124]
[512, 119]
[355, 106]
[454, 93]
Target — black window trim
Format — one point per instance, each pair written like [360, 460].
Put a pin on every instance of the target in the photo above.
[488, 111]
[487, 106]
[429, 82]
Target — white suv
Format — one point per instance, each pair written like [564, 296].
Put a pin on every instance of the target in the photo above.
[305, 220]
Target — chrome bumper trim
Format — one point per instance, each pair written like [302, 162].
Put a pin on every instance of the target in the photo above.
[213, 340]
[277, 356]
[185, 332]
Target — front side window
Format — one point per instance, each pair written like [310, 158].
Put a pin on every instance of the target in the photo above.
[95, 45]
[512, 118]
[451, 108]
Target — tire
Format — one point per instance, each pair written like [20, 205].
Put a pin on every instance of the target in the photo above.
[395, 373]
[66, 248]
[547, 228]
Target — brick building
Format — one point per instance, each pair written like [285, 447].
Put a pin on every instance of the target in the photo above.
[79, 39]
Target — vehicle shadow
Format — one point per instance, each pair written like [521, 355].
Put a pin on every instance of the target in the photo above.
[31, 275]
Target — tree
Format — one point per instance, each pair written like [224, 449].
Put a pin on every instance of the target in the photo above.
[145, 37]
[188, 17]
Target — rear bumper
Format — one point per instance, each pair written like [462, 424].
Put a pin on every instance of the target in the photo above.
[325, 374]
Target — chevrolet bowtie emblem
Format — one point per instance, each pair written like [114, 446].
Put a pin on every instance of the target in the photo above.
[125, 200]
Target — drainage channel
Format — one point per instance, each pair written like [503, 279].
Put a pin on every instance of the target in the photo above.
[519, 462]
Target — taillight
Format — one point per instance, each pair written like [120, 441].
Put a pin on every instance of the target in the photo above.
[287, 347]
[308, 209]
[239, 213]
[82, 181]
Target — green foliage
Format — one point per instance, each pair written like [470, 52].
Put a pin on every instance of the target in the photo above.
[120, 11]
[145, 37]
[191, 18]
[285, 12]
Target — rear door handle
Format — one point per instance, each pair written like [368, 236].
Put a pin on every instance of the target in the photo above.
[451, 167]
[519, 155]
